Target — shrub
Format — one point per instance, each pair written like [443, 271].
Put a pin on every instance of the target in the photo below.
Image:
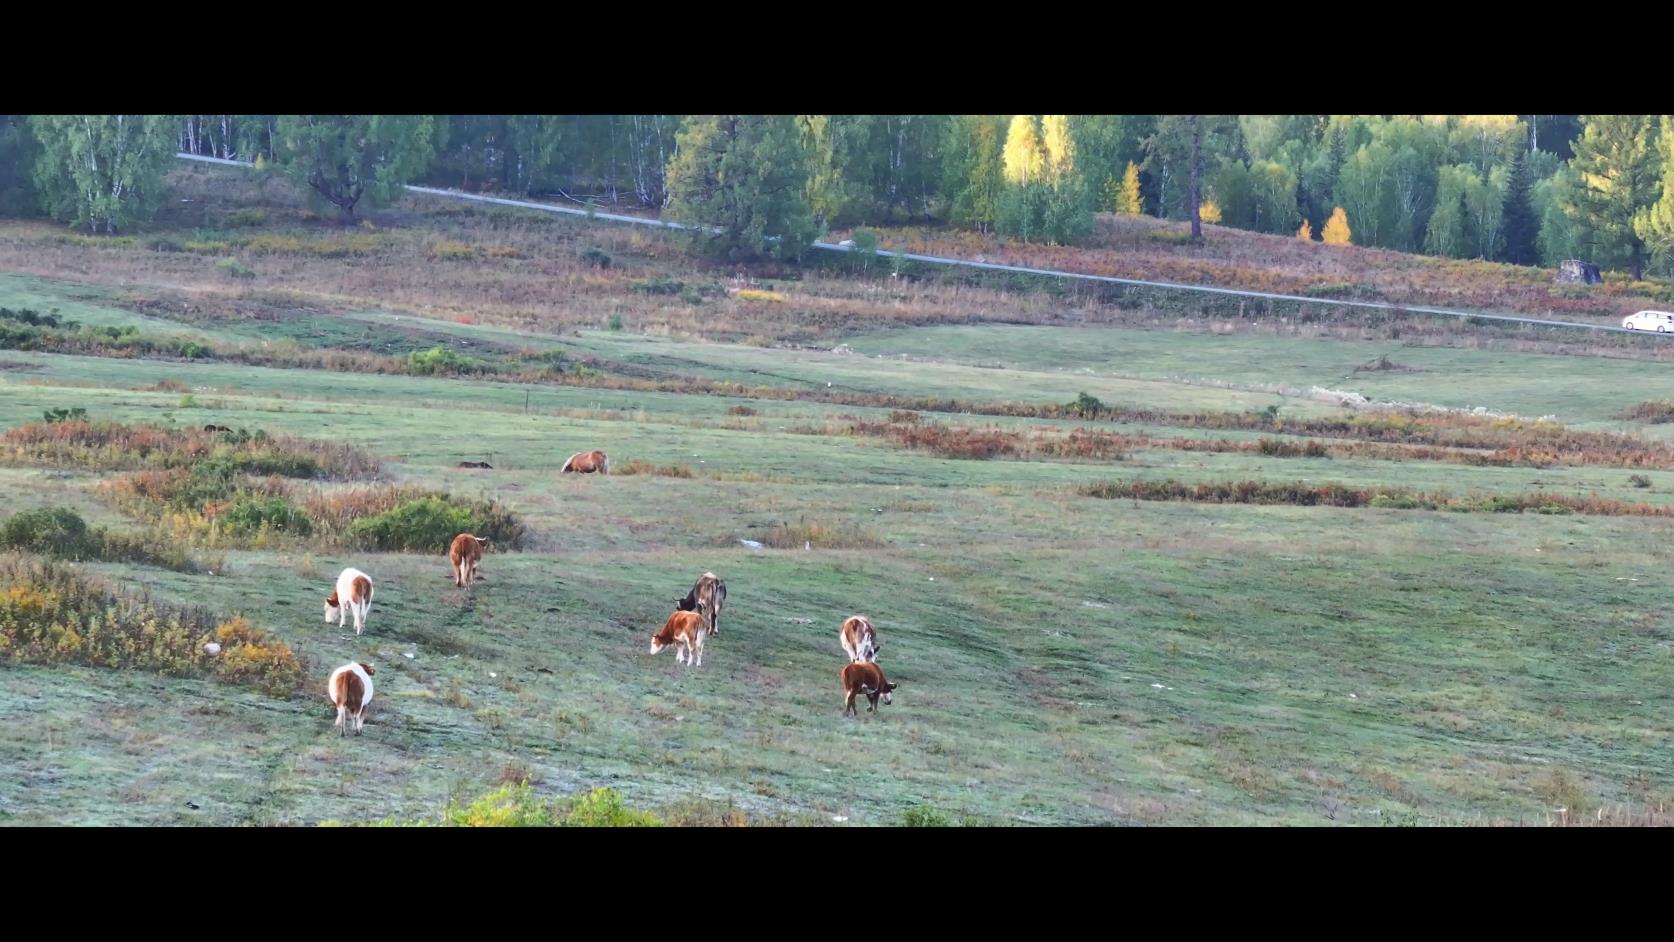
[232, 268]
[755, 294]
[925, 816]
[64, 415]
[448, 250]
[244, 218]
[517, 806]
[799, 535]
[51, 531]
[668, 286]
[1085, 406]
[636, 466]
[442, 361]
[428, 524]
[257, 515]
[904, 417]
[740, 410]
[1639, 480]
[595, 257]
[615, 322]
[52, 613]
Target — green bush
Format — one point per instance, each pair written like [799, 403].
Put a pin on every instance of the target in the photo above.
[925, 816]
[669, 286]
[1396, 501]
[232, 268]
[442, 361]
[596, 258]
[1085, 406]
[64, 415]
[429, 524]
[51, 531]
[517, 806]
[273, 514]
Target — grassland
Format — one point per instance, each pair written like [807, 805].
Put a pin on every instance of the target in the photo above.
[1062, 659]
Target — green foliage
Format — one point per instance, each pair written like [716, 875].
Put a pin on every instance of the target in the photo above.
[233, 268]
[441, 361]
[517, 806]
[64, 415]
[1085, 406]
[18, 152]
[102, 172]
[428, 525]
[253, 515]
[1617, 175]
[747, 175]
[51, 531]
[925, 816]
[352, 161]
[1654, 224]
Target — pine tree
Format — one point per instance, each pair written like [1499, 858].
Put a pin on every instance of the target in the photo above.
[1337, 228]
[1655, 223]
[1129, 202]
[1521, 227]
[747, 175]
[1616, 161]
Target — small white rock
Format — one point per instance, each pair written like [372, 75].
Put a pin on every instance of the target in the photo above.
[212, 648]
[408, 655]
[492, 674]
[839, 818]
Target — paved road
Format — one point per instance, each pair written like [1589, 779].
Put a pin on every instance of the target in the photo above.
[991, 266]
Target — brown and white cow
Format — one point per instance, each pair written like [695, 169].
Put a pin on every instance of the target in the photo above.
[353, 593]
[588, 462]
[708, 596]
[350, 691]
[864, 677]
[687, 631]
[859, 638]
[465, 554]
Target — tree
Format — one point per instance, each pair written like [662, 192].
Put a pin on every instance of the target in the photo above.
[18, 150]
[103, 171]
[1273, 196]
[1445, 234]
[1337, 229]
[1364, 189]
[1025, 160]
[1615, 161]
[1306, 233]
[1046, 196]
[350, 160]
[1655, 223]
[974, 175]
[1209, 212]
[748, 175]
[1128, 201]
[1522, 229]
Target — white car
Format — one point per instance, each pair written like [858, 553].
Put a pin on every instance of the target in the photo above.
[1660, 321]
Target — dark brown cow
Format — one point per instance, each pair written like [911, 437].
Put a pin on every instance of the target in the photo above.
[475, 464]
[859, 638]
[465, 554]
[708, 596]
[686, 630]
[866, 678]
[588, 462]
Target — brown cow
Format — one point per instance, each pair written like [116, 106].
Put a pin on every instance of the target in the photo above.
[350, 690]
[465, 554]
[687, 630]
[867, 678]
[587, 462]
[708, 596]
[352, 595]
[859, 638]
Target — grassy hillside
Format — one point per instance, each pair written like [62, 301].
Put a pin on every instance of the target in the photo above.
[1063, 659]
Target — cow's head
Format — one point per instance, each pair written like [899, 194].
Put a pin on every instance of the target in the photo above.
[686, 603]
[331, 607]
[367, 668]
[888, 688]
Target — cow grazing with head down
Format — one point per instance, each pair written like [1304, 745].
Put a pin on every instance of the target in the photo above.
[588, 462]
[465, 554]
[350, 691]
[354, 594]
[708, 596]
[686, 631]
[859, 639]
[864, 677]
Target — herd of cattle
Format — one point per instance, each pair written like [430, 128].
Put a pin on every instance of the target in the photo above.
[696, 618]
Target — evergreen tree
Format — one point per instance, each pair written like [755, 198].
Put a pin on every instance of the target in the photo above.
[747, 175]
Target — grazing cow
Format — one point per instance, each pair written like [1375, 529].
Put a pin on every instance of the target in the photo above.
[866, 678]
[475, 464]
[465, 553]
[859, 638]
[687, 630]
[354, 593]
[587, 462]
[350, 690]
[708, 596]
